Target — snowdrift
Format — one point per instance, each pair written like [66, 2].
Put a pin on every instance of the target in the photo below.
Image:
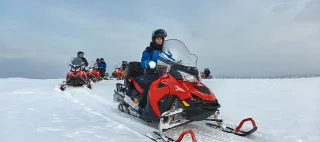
[36, 110]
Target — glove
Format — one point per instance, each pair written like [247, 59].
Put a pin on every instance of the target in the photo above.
[152, 64]
[151, 68]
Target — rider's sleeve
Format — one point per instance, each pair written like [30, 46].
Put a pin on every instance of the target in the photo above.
[104, 65]
[165, 60]
[85, 61]
[145, 59]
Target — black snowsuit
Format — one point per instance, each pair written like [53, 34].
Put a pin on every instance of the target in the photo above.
[86, 64]
[85, 61]
[150, 75]
[124, 66]
[102, 70]
[207, 72]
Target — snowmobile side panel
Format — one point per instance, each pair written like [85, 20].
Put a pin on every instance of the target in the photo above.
[157, 94]
[149, 114]
[183, 90]
[166, 102]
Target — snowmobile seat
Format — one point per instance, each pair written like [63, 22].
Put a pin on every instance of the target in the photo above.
[134, 77]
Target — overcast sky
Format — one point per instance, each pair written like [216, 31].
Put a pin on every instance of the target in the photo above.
[231, 37]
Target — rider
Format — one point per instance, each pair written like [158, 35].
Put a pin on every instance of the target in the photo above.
[97, 62]
[148, 62]
[102, 67]
[207, 72]
[80, 54]
[124, 65]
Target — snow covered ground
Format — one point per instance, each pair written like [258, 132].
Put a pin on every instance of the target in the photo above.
[285, 110]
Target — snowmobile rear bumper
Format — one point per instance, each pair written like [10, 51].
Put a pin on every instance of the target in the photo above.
[197, 110]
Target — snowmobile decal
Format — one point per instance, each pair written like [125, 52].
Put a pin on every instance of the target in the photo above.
[179, 89]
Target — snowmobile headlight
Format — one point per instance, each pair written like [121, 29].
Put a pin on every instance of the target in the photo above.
[188, 77]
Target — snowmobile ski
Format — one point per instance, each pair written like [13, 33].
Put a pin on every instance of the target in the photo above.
[220, 126]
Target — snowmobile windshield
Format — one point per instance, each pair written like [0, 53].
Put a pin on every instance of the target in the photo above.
[178, 61]
[93, 64]
[176, 51]
[76, 62]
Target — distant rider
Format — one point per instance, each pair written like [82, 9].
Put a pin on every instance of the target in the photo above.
[124, 65]
[148, 62]
[80, 54]
[97, 62]
[102, 67]
[207, 72]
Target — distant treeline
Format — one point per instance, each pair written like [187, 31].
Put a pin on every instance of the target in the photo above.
[268, 77]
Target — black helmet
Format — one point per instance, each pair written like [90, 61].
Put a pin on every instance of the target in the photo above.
[98, 59]
[102, 59]
[159, 33]
[80, 52]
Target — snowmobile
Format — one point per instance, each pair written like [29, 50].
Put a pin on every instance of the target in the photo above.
[203, 76]
[94, 74]
[118, 73]
[177, 97]
[76, 76]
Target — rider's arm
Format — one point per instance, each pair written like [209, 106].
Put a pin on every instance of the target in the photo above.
[145, 59]
[85, 61]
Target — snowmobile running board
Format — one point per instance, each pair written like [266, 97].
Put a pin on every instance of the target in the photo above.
[237, 130]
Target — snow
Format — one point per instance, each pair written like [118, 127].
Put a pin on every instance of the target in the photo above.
[285, 110]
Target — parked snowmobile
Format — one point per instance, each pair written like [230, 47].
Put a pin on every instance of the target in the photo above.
[118, 73]
[177, 97]
[94, 74]
[76, 76]
[203, 76]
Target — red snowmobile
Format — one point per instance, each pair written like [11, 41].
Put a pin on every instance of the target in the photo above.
[94, 74]
[118, 73]
[177, 97]
[76, 76]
